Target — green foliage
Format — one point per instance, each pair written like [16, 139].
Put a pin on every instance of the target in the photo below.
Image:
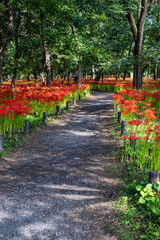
[139, 210]
[138, 205]
[149, 198]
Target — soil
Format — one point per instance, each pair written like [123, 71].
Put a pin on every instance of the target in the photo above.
[60, 184]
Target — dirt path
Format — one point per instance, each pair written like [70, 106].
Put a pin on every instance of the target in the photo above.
[58, 185]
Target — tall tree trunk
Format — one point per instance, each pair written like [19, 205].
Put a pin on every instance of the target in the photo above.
[93, 72]
[17, 54]
[125, 72]
[79, 75]
[46, 51]
[138, 30]
[43, 67]
[68, 76]
[48, 63]
[124, 75]
[99, 75]
[155, 72]
[137, 76]
[131, 74]
[6, 37]
[34, 68]
[102, 77]
[86, 73]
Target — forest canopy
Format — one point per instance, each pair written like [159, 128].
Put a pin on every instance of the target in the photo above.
[55, 37]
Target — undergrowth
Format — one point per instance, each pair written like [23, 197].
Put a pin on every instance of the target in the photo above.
[138, 205]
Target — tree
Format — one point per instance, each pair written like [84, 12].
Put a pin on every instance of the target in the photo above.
[138, 34]
[6, 34]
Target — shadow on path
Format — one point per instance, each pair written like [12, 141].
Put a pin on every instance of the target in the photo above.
[55, 186]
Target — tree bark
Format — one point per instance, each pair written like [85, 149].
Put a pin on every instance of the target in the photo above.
[102, 77]
[93, 72]
[79, 75]
[86, 73]
[68, 76]
[46, 51]
[48, 63]
[124, 75]
[155, 72]
[6, 37]
[28, 76]
[99, 75]
[138, 31]
[17, 54]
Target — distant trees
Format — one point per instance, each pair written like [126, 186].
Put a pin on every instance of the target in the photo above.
[38, 37]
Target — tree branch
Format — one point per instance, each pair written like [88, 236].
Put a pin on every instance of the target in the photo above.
[132, 24]
[139, 9]
[73, 29]
[143, 13]
[150, 5]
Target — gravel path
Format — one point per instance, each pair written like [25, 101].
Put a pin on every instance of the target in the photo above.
[58, 185]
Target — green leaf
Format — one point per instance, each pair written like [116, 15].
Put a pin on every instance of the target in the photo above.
[142, 200]
[138, 188]
[143, 193]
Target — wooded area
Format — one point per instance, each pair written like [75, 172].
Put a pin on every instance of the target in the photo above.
[49, 38]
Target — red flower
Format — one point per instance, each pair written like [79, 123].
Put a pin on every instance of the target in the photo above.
[146, 138]
[125, 136]
[133, 137]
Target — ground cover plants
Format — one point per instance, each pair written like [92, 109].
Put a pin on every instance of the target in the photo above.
[134, 219]
[141, 111]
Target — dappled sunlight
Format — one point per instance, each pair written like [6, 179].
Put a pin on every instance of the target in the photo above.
[4, 215]
[58, 183]
[33, 228]
[26, 213]
[69, 187]
[75, 197]
[82, 133]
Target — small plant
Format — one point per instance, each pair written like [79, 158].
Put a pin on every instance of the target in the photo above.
[149, 197]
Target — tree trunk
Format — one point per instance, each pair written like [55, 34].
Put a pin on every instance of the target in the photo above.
[35, 76]
[102, 77]
[155, 72]
[93, 72]
[131, 74]
[68, 77]
[34, 68]
[124, 75]
[6, 37]
[137, 77]
[28, 76]
[46, 51]
[17, 54]
[79, 75]
[86, 73]
[48, 63]
[138, 31]
[99, 75]
[43, 68]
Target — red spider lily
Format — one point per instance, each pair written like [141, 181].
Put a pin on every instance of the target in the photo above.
[150, 114]
[125, 136]
[133, 137]
[146, 138]
[135, 122]
[158, 138]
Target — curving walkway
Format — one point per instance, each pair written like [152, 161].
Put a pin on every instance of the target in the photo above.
[58, 185]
